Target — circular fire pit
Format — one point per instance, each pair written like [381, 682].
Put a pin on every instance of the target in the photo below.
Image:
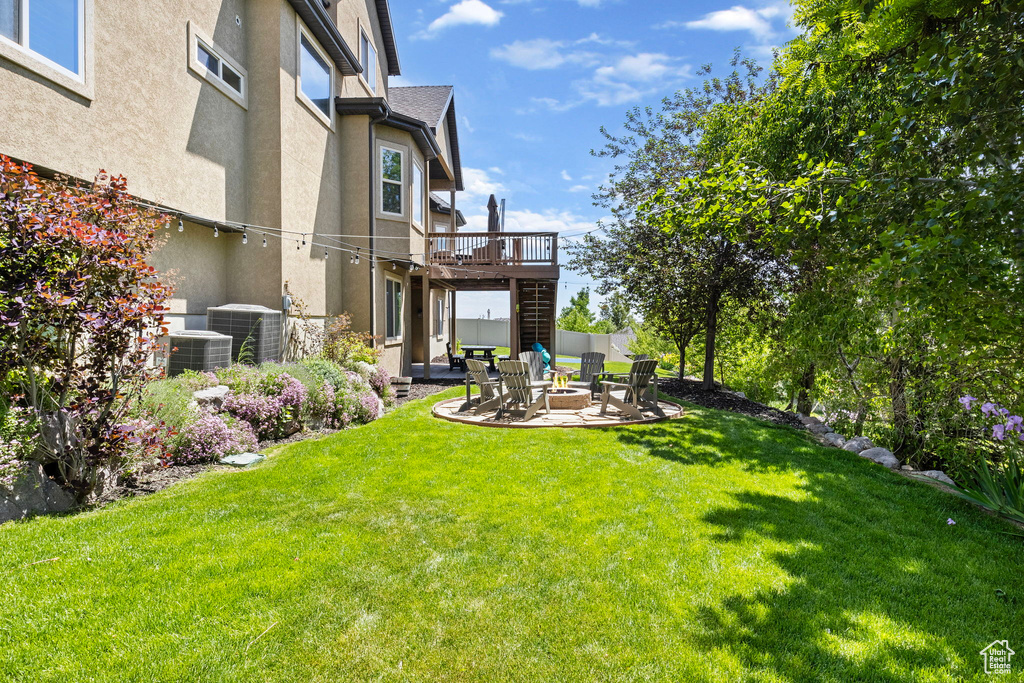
[569, 399]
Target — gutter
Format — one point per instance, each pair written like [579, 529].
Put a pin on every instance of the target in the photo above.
[322, 27]
[379, 107]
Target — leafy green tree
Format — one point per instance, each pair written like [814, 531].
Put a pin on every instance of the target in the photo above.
[577, 316]
[617, 311]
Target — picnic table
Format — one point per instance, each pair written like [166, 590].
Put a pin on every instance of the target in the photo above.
[486, 352]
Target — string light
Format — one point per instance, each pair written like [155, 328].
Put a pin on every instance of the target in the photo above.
[326, 255]
[264, 242]
[245, 238]
[216, 232]
[303, 239]
[357, 256]
[181, 226]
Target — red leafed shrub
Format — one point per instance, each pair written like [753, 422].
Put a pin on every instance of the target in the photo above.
[80, 313]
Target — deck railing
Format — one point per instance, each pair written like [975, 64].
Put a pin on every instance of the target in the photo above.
[493, 248]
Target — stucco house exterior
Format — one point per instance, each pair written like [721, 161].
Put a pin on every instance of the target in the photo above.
[268, 131]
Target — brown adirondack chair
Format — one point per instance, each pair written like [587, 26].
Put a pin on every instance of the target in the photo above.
[489, 397]
[519, 389]
[641, 391]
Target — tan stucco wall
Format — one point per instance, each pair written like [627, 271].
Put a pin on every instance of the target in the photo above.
[350, 17]
[176, 138]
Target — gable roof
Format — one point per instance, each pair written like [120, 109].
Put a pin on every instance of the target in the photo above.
[435, 106]
[388, 31]
[438, 205]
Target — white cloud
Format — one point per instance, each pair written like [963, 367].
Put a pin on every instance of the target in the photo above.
[565, 175]
[578, 188]
[768, 25]
[466, 12]
[479, 186]
[467, 125]
[631, 78]
[541, 53]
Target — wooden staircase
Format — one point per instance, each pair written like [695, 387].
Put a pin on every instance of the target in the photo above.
[537, 312]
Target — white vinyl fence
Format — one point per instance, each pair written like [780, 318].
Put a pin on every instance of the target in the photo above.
[497, 332]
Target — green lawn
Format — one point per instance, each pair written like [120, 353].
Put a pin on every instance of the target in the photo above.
[714, 547]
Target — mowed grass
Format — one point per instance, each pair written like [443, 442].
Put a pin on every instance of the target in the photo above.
[710, 548]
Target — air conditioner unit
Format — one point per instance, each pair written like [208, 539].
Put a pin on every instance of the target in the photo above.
[257, 328]
[199, 350]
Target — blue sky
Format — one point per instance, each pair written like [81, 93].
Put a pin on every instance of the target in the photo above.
[536, 79]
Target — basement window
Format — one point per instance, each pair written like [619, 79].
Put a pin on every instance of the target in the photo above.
[393, 295]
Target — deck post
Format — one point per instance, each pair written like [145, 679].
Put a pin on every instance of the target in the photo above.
[513, 341]
[427, 319]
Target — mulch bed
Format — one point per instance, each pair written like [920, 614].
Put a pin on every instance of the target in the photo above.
[690, 390]
[421, 388]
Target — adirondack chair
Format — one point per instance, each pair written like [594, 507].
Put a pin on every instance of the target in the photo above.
[489, 398]
[455, 358]
[641, 391]
[591, 367]
[519, 388]
[642, 356]
[536, 363]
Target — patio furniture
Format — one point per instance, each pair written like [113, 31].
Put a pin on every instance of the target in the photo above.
[490, 389]
[591, 367]
[641, 381]
[519, 388]
[536, 363]
[455, 359]
[488, 352]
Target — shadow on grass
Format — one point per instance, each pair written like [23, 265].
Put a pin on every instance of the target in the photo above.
[877, 586]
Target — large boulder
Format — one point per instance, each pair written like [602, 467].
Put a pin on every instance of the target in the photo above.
[212, 399]
[883, 456]
[833, 439]
[938, 475]
[808, 420]
[819, 428]
[858, 444]
[33, 494]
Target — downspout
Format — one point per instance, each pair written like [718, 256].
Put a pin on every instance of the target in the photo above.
[374, 120]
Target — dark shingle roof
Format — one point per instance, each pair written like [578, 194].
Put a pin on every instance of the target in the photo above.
[438, 205]
[428, 103]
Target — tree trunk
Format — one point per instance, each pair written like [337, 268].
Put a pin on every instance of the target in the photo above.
[898, 398]
[710, 329]
[682, 362]
[803, 399]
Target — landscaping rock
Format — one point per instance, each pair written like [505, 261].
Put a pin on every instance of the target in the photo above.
[834, 439]
[740, 394]
[818, 428]
[211, 399]
[242, 459]
[858, 444]
[907, 468]
[883, 456]
[34, 494]
[808, 421]
[938, 475]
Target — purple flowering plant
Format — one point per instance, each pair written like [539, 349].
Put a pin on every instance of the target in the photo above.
[210, 438]
[999, 488]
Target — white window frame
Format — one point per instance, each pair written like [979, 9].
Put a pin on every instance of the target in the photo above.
[419, 201]
[439, 309]
[197, 37]
[22, 54]
[370, 67]
[382, 180]
[327, 120]
[399, 317]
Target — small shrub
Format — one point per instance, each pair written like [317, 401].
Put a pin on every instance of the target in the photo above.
[268, 403]
[210, 438]
[345, 346]
[327, 371]
[192, 381]
[319, 404]
[999, 488]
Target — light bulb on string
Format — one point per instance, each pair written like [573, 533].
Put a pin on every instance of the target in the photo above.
[357, 256]
[181, 226]
[326, 256]
[216, 232]
[264, 242]
[303, 239]
[245, 237]
[351, 258]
